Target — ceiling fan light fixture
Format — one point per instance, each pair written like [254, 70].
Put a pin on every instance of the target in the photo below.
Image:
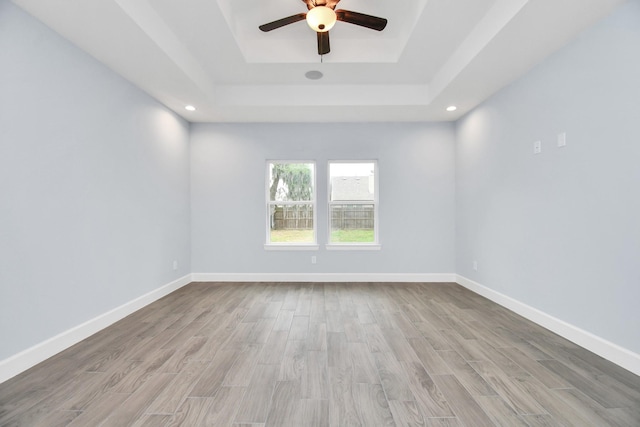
[321, 19]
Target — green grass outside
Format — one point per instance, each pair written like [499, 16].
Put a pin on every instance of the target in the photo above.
[337, 236]
[291, 236]
[352, 236]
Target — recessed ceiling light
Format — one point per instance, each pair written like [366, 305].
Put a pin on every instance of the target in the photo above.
[313, 75]
[452, 108]
[190, 108]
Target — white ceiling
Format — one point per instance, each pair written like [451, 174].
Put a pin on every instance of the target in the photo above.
[210, 53]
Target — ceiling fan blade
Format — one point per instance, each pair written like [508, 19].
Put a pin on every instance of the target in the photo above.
[282, 22]
[323, 43]
[361, 19]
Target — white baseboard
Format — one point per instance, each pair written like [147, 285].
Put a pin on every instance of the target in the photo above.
[606, 349]
[324, 277]
[24, 360]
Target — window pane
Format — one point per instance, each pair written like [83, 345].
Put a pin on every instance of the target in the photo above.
[291, 223]
[352, 223]
[290, 182]
[352, 181]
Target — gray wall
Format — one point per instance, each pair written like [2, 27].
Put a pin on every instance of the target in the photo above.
[415, 163]
[560, 231]
[94, 187]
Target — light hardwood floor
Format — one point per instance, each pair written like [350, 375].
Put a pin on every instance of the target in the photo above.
[323, 354]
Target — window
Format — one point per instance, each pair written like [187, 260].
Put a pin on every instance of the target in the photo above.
[353, 203]
[291, 203]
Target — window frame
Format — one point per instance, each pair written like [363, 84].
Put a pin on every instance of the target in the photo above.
[375, 245]
[268, 203]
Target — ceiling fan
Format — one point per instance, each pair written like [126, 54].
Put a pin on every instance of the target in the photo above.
[321, 18]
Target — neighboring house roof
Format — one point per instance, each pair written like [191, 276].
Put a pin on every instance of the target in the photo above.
[352, 188]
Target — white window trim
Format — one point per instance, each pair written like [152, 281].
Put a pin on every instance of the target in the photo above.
[290, 247]
[284, 246]
[353, 246]
[356, 246]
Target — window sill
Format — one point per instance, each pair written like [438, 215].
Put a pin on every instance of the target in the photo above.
[353, 247]
[290, 247]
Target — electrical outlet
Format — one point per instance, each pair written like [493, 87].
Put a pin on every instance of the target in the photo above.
[562, 139]
[537, 147]
[175, 264]
[313, 259]
[475, 265]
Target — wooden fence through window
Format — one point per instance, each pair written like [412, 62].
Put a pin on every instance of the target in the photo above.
[297, 217]
[350, 217]
[300, 217]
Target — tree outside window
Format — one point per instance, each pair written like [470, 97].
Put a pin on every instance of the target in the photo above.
[291, 203]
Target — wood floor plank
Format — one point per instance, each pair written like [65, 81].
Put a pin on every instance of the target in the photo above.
[463, 404]
[283, 321]
[365, 316]
[317, 311]
[508, 388]
[315, 413]
[406, 326]
[343, 409]
[372, 405]
[620, 417]
[468, 376]
[535, 369]
[375, 339]
[406, 414]
[304, 306]
[601, 394]
[191, 412]
[299, 328]
[239, 374]
[290, 301]
[323, 354]
[393, 378]
[274, 348]
[153, 363]
[561, 412]
[354, 330]
[293, 361]
[216, 370]
[362, 363]
[429, 398]
[399, 345]
[224, 406]
[338, 350]
[315, 377]
[153, 420]
[500, 412]
[582, 404]
[431, 360]
[317, 339]
[442, 422]
[286, 407]
[335, 321]
[433, 336]
[261, 331]
[91, 386]
[135, 406]
[188, 352]
[255, 404]
[169, 400]
[99, 411]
